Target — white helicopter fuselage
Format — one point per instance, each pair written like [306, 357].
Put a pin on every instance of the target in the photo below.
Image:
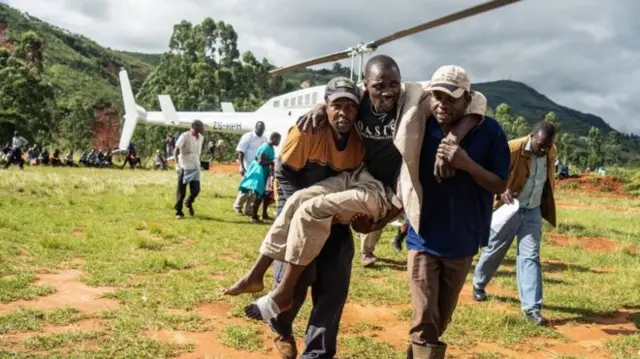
[278, 113]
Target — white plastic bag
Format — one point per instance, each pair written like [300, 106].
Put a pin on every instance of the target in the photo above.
[502, 215]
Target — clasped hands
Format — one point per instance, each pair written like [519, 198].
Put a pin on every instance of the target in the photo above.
[450, 156]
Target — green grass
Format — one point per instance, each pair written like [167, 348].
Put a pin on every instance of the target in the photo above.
[241, 338]
[118, 228]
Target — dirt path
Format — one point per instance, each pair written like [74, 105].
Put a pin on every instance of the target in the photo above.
[381, 323]
[70, 292]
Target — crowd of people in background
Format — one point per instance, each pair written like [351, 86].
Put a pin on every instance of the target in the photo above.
[18, 152]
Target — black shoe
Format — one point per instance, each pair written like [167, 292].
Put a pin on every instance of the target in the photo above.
[479, 295]
[536, 318]
[179, 215]
[191, 211]
[397, 243]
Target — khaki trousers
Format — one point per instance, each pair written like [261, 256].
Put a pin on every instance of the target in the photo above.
[245, 199]
[435, 284]
[303, 226]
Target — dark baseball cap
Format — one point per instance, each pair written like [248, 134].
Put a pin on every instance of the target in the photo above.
[342, 87]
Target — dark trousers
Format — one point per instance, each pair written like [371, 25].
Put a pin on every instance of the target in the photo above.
[15, 157]
[329, 276]
[435, 284]
[181, 193]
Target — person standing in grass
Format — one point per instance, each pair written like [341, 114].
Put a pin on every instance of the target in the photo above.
[454, 215]
[531, 182]
[15, 154]
[255, 180]
[187, 153]
[247, 148]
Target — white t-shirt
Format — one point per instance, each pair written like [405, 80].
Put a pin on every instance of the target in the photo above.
[249, 144]
[190, 149]
[18, 141]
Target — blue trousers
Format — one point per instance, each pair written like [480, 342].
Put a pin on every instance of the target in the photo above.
[329, 276]
[526, 224]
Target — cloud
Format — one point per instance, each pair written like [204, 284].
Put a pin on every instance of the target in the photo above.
[584, 57]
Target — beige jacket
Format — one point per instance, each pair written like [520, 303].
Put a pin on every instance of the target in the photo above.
[413, 113]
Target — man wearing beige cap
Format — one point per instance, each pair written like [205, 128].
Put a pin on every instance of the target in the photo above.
[454, 216]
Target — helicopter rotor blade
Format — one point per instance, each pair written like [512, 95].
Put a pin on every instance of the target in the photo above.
[373, 45]
[490, 5]
[345, 54]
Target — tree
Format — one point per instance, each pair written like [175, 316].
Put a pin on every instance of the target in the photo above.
[489, 112]
[202, 68]
[553, 119]
[565, 144]
[612, 149]
[520, 128]
[31, 50]
[595, 148]
[504, 117]
[75, 130]
[27, 101]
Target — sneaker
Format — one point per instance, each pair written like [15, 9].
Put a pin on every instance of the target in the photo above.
[179, 215]
[397, 243]
[367, 259]
[191, 211]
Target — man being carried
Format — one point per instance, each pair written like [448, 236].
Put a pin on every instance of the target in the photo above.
[453, 217]
[300, 231]
[187, 154]
[531, 182]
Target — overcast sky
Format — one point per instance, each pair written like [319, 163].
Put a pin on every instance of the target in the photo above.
[583, 56]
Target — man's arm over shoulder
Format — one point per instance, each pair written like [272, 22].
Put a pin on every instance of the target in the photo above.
[473, 115]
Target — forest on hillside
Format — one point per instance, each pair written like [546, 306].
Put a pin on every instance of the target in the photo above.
[54, 84]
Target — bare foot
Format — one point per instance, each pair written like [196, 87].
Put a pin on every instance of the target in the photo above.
[245, 285]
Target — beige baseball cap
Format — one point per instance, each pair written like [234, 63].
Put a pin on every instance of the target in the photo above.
[450, 79]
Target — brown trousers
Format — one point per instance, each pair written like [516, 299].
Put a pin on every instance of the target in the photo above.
[435, 284]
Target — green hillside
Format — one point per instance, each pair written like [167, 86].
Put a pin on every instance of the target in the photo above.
[75, 65]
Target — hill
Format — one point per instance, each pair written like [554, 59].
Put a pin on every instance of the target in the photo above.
[533, 106]
[74, 64]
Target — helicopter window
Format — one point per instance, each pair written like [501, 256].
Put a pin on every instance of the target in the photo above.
[276, 103]
[307, 99]
[286, 102]
[314, 98]
[293, 102]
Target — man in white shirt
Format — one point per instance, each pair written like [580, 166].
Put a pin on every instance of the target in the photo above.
[17, 142]
[187, 154]
[247, 148]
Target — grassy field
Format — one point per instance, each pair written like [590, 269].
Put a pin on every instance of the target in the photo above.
[93, 264]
